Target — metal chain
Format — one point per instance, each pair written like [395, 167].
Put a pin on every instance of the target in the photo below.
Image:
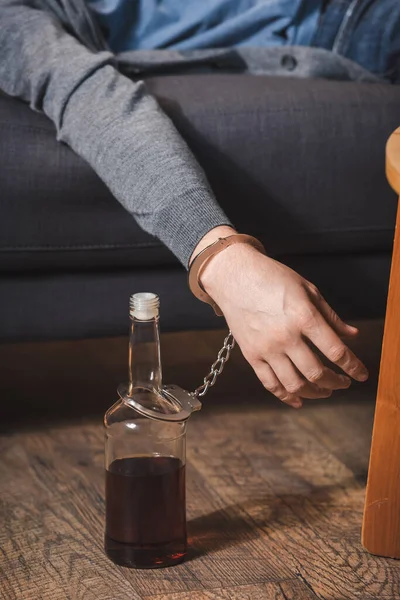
[217, 367]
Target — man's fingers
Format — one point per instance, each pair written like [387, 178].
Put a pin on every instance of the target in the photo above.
[270, 381]
[308, 363]
[294, 382]
[326, 340]
[332, 318]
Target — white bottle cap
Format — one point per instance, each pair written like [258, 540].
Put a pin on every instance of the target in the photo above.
[144, 306]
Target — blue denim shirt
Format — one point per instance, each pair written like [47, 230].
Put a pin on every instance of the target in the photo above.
[364, 31]
[197, 24]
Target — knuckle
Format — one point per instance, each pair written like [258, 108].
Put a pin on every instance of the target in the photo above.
[315, 375]
[283, 336]
[251, 356]
[295, 388]
[337, 354]
[254, 362]
[306, 317]
[314, 290]
[274, 388]
[353, 369]
[285, 398]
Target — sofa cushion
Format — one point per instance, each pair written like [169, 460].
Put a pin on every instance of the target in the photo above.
[299, 163]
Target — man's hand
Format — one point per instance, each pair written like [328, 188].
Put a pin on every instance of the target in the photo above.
[274, 314]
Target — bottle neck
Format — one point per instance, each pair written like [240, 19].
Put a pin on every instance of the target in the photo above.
[144, 355]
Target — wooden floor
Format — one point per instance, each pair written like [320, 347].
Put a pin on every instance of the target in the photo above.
[275, 496]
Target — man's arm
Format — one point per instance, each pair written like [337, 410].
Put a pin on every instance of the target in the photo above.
[111, 122]
[134, 148]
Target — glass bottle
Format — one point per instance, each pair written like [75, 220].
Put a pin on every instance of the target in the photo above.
[145, 436]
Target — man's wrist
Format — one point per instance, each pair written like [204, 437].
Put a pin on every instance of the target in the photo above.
[226, 264]
[212, 275]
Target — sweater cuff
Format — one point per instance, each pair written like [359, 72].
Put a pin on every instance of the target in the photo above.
[186, 220]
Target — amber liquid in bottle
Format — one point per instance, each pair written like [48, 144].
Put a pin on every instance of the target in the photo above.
[145, 511]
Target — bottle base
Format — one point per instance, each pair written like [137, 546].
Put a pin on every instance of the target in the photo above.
[144, 557]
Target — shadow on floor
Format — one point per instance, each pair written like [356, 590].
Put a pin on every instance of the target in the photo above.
[250, 519]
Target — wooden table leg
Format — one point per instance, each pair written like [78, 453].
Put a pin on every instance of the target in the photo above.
[381, 526]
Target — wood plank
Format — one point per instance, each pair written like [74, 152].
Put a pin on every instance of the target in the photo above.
[286, 590]
[344, 428]
[393, 160]
[50, 545]
[306, 503]
[381, 524]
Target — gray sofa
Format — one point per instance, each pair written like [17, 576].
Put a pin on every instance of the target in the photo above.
[297, 163]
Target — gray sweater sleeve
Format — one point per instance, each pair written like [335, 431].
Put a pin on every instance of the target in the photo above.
[111, 122]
